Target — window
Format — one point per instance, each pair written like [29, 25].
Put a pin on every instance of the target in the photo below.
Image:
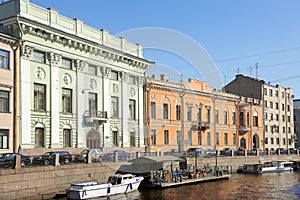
[266, 128]
[39, 97]
[39, 57]
[276, 93]
[282, 94]
[39, 137]
[189, 114]
[114, 75]
[199, 138]
[132, 138]
[153, 110]
[234, 139]
[153, 137]
[283, 118]
[226, 138]
[178, 112]
[4, 138]
[271, 104]
[283, 141]
[66, 100]
[265, 91]
[92, 104]
[270, 92]
[277, 117]
[178, 134]
[166, 136]
[115, 138]
[208, 139]
[115, 107]
[277, 140]
[132, 109]
[67, 137]
[242, 118]
[66, 63]
[272, 140]
[217, 116]
[248, 118]
[288, 108]
[265, 104]
[4, 59]
[255, 119]
[271, 116]
[4, 101]
[93, 70]
[289, 129]
[131, 79]
[233, 118]
[283, 129]
[166, 111]
[217, 139]
[276, 106]
[208, 115]
[199, 116]
[282, 107]
[266, 116]
[190, 137]
[225, 117]
[289, 118]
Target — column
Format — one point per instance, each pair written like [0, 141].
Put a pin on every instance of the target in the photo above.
[55, 100]
[25, 84]
[107, 106]
[141, 110]
[125, 109]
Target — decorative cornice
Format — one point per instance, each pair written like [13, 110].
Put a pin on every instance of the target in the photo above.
[27, 52]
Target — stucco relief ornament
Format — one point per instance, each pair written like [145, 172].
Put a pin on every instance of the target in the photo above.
[132, 92]
[67, 79]
[39, 73]
[55, 58]
[27, 53]
[115, 88]
[80, 65]
[93, 84]
[125, 76]
[106, 72]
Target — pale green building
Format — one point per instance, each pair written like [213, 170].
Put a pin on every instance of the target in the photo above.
[79, 86]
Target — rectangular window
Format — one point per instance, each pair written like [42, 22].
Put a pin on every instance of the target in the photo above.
[217, 139]
[226, 138]
[66, 63]
[4, 101]
[282, 107]
[92, 104]
[39, 97]
[4, 59]
[271, 104]
[178, 135]
[283, 141]
[208, 139]
[255, 121]
[271, 116]
[271, 92]
[166, 136]
[39, 137]
[282, 95]
[199, 138]
[208, 115]
[234, 139]
[217, 116]
[39, 57]
[283, 118]
[289, 118]
[199, 115]
[153, 137]
[266, 128]
[276, 93]
[272, 140]
[225, 117]
[166, 111]
[233, 118]
[178, 112]
[93, 70]
[153, 110]
[265, 104]
[67, 137]
[248, 118]
[190, 137]
[4, 138]
[115, 107]
[283, 129]
[132, 109]
[276, 106]
[189, 114]
[265, 91]
[67, 100]
[114, 75]
[289, 129]
[277, 117]
[277, 141]
[266, 116]
[131, 80]
[288, 108]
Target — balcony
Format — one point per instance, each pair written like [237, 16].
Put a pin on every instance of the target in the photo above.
[91, 116]
[243, 129]
[201, 126]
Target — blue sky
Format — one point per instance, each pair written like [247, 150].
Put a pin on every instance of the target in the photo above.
[236, 34]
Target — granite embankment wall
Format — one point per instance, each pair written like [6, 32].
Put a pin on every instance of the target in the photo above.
[44, 182]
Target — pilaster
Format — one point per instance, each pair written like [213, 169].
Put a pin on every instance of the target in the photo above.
[125, 109]
[107, 106]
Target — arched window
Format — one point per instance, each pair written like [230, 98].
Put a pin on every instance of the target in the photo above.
[67, 136]
[243, 143]
[255, 119]
[115, 138]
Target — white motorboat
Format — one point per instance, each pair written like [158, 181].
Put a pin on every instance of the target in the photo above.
[274, 166]
[117, 184]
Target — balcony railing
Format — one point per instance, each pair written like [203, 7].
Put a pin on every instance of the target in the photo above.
[244, 128]
[200, 126]
[91, 116]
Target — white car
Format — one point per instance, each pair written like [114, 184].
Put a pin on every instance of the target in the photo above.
[97, 154]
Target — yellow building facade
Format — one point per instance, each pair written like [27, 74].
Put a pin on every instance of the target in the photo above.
[192, 115]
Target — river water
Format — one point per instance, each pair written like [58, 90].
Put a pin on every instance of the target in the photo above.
[279, 186]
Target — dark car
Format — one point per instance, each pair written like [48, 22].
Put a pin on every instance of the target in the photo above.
[48, 158]
[228, 151]
[8, 160]
[193, 152]
[122, 155]
[96, 155]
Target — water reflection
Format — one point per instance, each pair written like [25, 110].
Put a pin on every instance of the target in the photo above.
[280, 186]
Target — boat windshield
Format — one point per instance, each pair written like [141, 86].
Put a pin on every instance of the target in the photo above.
[112, 180]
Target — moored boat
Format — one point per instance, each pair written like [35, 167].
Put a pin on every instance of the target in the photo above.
[117, 184]
[274, 166]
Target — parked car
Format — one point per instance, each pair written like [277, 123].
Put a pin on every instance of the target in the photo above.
[48, 158]
[211, 152]
[173, 152]
[8, 160]
[193, 152]
[96, 155]
[228, 151]
[122, 155]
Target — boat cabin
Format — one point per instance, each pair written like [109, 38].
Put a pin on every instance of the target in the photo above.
[120, 178]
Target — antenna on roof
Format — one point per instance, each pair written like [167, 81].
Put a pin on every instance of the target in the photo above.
[256, 69]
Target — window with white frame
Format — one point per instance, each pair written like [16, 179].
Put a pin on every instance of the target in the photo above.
[39, 57]
[4, 59]
[4, 139]
[4, 101]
